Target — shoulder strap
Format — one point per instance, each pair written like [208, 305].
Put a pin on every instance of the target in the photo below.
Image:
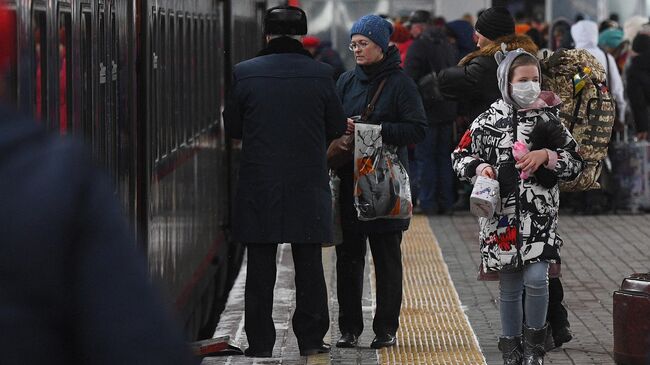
[609, 82]
[371, 107]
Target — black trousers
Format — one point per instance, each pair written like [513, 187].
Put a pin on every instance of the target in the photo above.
[350, 261]
[556, 315]
[311, 317]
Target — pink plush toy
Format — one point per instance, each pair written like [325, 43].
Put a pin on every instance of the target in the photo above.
[519, 150]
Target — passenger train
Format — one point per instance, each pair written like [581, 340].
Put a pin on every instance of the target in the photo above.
[143, 83]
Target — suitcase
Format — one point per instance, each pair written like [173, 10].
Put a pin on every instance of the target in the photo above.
[630, 180]
[632, 321]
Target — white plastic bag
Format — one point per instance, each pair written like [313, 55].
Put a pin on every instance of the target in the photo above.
[381, 183]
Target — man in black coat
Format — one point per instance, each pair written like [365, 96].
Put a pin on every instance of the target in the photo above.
[73, 289]
[432, 52]
[285, 109]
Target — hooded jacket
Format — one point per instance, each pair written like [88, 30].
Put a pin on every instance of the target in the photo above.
[489, 141]
[400, 112]
[474, 81]
[585, 35]
[464, 33]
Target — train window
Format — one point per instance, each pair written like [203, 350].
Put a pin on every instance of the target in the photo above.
[113, 122]
[10, 93]
[162, 87]
[100, 123]
[171, 75]
[153, 111]
[178, 80]
[65, 71]
[188, 125]
[86, 73]
[39, 31]
[195, 79]
[201, 75]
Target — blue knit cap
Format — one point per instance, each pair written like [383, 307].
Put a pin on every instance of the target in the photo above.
[374, 27]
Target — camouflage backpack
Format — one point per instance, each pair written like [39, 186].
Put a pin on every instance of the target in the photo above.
[587, 108]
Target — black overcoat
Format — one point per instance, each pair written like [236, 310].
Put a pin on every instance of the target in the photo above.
[401, 114]
[284, 108]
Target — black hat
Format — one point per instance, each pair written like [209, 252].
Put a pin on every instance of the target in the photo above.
[495, 22]
[288, 20]
[419, 16]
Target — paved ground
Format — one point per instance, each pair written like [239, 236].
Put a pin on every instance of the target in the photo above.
[599, 252]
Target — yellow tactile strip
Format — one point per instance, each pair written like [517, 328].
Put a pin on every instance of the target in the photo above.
[433, 327]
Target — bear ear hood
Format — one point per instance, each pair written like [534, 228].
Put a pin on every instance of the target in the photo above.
[504, 60]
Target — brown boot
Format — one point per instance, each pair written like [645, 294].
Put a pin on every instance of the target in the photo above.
[510, 346]
[534, 339]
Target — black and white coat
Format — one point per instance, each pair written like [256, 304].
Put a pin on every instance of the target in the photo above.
[490, 140]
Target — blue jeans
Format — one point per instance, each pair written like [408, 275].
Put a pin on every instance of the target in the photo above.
[511, 286]
[433, 156]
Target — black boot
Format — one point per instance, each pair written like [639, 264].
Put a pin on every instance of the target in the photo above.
[511, 348]
[534, 339]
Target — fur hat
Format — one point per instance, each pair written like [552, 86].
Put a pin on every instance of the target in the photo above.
[285, 20]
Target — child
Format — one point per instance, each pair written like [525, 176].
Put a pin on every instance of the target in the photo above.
[521, 239]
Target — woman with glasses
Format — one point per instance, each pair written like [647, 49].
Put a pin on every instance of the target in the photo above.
[400, 112]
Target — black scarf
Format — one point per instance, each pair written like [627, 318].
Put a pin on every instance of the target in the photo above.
[284, 45]
[388, 65]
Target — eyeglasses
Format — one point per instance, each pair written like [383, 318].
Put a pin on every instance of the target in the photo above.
[361, 45]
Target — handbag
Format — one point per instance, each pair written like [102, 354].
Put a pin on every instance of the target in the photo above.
[341, 150]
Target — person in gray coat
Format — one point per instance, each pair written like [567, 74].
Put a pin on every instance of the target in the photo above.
[284, 108]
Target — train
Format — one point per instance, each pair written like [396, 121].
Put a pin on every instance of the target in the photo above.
[143, 83]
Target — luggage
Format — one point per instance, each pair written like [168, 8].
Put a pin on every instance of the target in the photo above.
[630, 180]
[632, 321]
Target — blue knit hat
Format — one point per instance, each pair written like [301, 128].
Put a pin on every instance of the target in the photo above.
[374, 27]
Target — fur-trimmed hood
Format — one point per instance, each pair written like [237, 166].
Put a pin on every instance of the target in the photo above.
[512, 42]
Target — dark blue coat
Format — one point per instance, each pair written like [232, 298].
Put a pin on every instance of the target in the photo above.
[284, 108]
[73, 289]
[401, 114]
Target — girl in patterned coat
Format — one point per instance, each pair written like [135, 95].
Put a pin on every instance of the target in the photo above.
[520, 239]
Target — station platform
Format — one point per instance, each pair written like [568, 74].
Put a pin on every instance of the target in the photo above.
[448, 317]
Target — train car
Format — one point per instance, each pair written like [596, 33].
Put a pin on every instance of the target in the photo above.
[143, 83]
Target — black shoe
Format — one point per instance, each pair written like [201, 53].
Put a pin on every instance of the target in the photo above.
[348, 341]
[383, 341]
[254, 353]
[322, 349]
[561, 336]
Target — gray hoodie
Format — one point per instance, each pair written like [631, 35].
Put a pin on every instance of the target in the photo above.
[505, 60]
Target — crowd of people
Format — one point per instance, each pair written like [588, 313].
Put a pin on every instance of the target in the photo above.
[430, 85]
[452, 98]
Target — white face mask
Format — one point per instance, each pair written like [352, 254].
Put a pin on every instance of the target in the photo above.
[525, 93]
